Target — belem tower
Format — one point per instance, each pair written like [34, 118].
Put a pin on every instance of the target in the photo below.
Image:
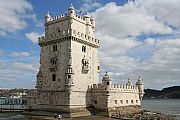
[68, 77]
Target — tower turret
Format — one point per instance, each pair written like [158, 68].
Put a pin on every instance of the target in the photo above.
[69, 74]
[129, 83]
[107, 81]
[39, 80]
[71, 11]
[93, 23]
[47, 17]
[140, 86]
[87, 18]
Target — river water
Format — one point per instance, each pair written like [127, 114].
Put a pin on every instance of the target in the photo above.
[171, 106]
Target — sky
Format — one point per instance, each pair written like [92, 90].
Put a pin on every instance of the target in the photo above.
[140, 38]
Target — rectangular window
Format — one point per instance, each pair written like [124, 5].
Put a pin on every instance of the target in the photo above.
[69, 76]
[53, 61]
[98, 67]
[53, 77]
[136, 101]
[121, 101]
[83, 48]
[132, 102]
[54, 47]
[115, 101]
[95, 101]
[126, 101]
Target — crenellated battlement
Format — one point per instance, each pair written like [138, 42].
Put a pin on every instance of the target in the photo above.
[67, 33]
[114, 88]
[83, 19]
[127, 88]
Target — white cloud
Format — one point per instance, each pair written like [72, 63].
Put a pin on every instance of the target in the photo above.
[17, 74]
[33, 36]
[89, 5]
[128, 20]
[28, 67]
[13, 14]
[1, 52]
[125, 56]
[161, 69]
[166, 11]
[150, 41]
[20, 54]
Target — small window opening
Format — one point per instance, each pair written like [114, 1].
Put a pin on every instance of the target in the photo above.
[126, 101]
[53, 61]
[83, 48]
[54, 47]
[121, 101]
[69, 76]
[115, 101]
[107, 83]
[98, 67]
[95, 101]
[136, 101]
[53, 77]
[132, 101]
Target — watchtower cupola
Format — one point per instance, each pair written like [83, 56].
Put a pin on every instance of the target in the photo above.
[140, 86]
[71, 11]
[107, 81]
[129, 83]
[47, 17]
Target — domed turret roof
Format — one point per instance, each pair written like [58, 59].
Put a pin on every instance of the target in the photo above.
[71, 7]
[139, 82]
[107, 77]
[48, 14]
[129, 83]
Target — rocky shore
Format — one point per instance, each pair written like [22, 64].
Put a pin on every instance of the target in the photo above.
[146, 115]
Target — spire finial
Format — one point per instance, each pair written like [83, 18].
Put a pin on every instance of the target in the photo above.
[48, 14]
[71, 6]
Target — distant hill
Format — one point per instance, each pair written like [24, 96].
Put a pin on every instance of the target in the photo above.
[169, 92]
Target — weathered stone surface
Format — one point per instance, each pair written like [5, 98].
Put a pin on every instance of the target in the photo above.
[68, 76]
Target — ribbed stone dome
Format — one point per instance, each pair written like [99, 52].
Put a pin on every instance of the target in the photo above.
[107, 77]
[139, 82]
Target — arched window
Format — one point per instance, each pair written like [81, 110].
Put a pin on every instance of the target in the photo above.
[83, 48]
[54, 47]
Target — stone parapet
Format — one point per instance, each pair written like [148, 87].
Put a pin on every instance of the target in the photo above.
[70, 33]
[114, 88]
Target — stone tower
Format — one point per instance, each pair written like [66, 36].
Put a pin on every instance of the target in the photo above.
[140, 87]
[69, 62]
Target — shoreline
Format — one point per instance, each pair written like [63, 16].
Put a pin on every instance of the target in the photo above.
[148, 115]
[144, 115]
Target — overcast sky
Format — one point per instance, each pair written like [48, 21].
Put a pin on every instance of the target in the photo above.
[137, 39]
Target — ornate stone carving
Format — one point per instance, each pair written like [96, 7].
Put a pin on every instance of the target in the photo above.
[85, 65]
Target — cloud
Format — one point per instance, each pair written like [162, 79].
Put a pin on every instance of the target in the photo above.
[17, 74]
[128, 20]
[20, 54]
[33, 36]
[89, 5]
[28, 67]
[1, 53]
[126, 55]
[13, 15]
[18, 69]
[166, 11]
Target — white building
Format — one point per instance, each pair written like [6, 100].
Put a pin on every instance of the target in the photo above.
[68, 76]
